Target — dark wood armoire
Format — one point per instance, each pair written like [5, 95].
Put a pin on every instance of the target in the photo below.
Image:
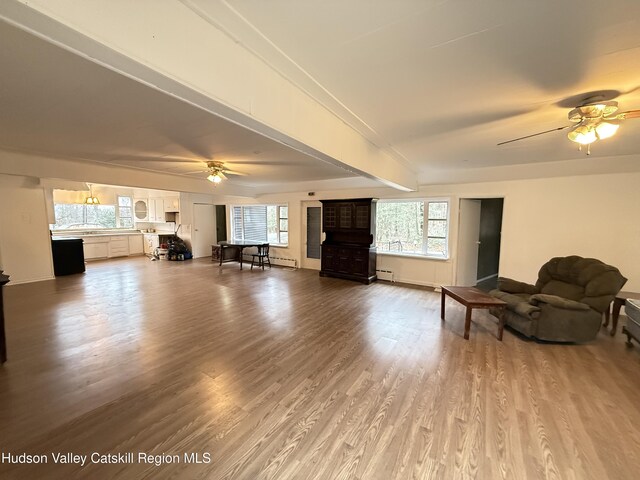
[348, 249]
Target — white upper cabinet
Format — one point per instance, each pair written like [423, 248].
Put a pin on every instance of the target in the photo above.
[156, 210]
[141, 210]
[172, 204]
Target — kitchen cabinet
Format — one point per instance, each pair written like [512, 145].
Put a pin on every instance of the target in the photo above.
[348, 250]
[93, 251]
[172, 204]
[156, 210]
[97, 247]
[136, 246]
[153, 210]
[141, 209]
[118, 246]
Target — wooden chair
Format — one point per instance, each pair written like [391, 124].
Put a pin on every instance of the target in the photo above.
[261, 255]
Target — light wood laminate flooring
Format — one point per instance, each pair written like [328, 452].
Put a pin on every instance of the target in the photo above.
[281, 374]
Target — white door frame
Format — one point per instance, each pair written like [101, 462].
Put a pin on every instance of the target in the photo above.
[311, 263]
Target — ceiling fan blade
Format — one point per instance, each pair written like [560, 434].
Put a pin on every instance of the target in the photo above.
[233, 172]
[534, 135]
[133, 158]
[259, 162]
[629, 114]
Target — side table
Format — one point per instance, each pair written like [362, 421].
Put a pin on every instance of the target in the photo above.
[618, 302]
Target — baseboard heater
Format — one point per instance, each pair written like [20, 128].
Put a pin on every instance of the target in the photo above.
[280, 261]
[386, 275]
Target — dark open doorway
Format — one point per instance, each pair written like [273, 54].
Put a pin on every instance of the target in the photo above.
[221, 223]
[489, 241]
[479, 242]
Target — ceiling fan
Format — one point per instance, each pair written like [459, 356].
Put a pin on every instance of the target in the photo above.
[592, 121]
[218, 172]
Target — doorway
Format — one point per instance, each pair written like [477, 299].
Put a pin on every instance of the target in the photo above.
[311, 234]
[221, 223]
[204, 229]
[479, 242]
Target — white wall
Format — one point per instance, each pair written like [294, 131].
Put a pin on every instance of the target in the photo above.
[187, 200]
[592, 216]
[25, 244]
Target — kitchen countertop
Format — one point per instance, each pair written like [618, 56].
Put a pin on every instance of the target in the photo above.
[94, 234]
[60, 237]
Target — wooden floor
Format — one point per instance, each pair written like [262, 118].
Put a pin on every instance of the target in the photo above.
[282, 374]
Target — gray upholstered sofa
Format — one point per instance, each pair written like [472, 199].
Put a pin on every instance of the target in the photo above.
[567, 301]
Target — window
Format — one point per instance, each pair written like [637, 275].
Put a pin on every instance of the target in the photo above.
[80, 216]
[400, 227]
[125, 212]
[261, 223]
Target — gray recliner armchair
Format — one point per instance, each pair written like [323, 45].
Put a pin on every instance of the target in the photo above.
[567, 301]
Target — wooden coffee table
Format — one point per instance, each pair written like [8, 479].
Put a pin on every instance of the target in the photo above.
[472, 298]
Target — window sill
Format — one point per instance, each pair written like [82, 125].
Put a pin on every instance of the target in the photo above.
[414, 255]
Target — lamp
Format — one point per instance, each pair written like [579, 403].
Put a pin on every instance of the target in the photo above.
[91, 200]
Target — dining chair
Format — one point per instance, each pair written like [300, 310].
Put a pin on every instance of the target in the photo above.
[262, 255]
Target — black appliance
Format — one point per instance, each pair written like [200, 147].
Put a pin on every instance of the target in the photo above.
[68, 256]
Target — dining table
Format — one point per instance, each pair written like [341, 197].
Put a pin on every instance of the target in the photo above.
[239, 245]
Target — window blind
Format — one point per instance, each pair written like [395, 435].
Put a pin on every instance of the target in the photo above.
[250, 223]
[237, 223]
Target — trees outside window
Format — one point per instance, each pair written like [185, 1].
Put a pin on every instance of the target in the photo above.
[413, 227]
[125, 212]
[82, 216]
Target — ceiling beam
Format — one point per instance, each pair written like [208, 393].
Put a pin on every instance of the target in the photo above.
[148, 42]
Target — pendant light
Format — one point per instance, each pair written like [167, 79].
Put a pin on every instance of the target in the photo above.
[91, 200]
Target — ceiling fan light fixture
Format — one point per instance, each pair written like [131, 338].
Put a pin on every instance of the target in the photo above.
[606, 129]
[593, 111]
[215, 178]
[583, 134]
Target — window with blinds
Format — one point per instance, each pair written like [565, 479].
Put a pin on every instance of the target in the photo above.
[261, 223]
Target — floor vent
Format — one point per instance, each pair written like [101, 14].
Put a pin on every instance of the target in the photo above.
[385, 275]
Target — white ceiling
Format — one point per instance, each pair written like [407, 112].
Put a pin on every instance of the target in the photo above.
[443, 82]
[439, 82]
[54, 102]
